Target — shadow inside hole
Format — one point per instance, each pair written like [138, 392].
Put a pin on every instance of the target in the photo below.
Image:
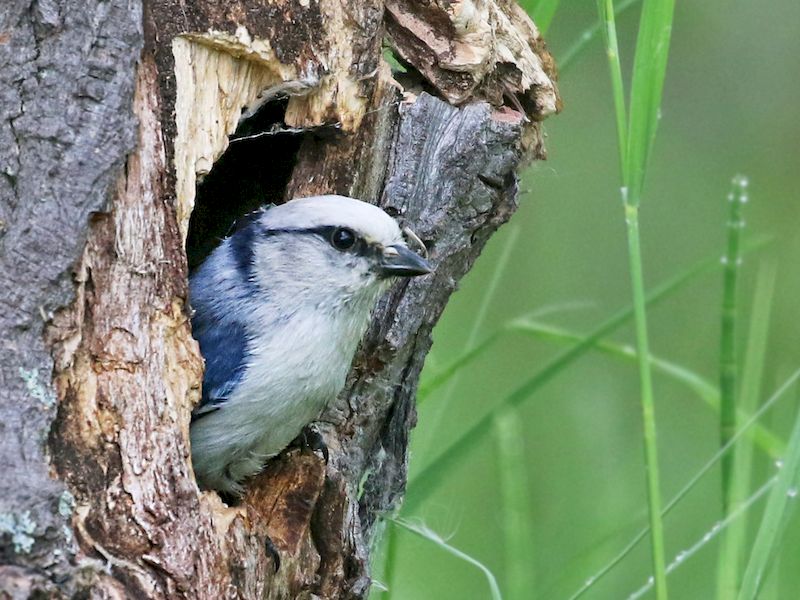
[253, 171]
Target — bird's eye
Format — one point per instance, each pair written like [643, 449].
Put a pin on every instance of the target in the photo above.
[343, 238]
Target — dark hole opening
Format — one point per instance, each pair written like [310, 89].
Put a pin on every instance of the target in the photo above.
[253, 171]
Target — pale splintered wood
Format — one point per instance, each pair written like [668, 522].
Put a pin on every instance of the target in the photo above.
[489, 49]
[217, 78]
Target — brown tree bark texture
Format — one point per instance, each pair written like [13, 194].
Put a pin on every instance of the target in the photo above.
[112, 113]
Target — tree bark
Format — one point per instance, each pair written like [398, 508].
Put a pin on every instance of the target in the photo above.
[132, 135]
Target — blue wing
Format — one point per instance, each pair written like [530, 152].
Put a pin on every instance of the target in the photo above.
[224, 347]
[222, 337]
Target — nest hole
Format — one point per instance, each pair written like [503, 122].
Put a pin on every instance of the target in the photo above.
[253, 171]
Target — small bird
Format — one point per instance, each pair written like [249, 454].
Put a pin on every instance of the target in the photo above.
[279, 309]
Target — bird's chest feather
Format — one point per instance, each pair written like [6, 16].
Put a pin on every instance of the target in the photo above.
[297, 366]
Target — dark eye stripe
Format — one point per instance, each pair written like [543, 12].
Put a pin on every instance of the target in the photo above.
[360, 248]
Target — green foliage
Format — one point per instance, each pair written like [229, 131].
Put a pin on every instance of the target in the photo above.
[515, 491]
[729, 366]
[528, 442]
[647, 84]
[426, 482]
[542, 12]
[736, 487]
[579, 46]
[433, 537]
[780, 506]
[739, 510]
[761, 436]
[636, 134]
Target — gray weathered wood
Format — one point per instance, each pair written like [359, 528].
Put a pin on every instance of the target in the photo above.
[66, 85]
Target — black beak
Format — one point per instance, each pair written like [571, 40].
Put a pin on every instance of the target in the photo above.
[399, 261]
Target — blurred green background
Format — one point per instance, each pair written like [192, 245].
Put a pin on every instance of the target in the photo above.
[731, 105]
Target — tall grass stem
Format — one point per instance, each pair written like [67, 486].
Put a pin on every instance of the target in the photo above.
[723, 525]
[516, 514]
[566, 61]
[636, 131]
[781, 502]
[728, 360]
[761, 435]
[542, 13]
[734, 543]
[647, 402]
[769, 403]
[429, 479]
[647, 85]
[606, 10]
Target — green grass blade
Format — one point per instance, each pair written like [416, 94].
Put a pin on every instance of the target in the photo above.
[450, 374]
[542, 13]
[760, 435]
[568, 59]
[605, 9]
[682, 557]
[732, 551]
[423, 484]
[443, 376]
[727, 355]
[770, 402]
[772, 588]
[648, 403]
[514, 488]
[432, 536]
[780, 502]
[635, 142]
[647, 84]
[447, 373]
[494, 283]
[390, 561]
[697, 383]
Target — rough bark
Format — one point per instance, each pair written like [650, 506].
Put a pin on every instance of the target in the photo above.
[126, 129]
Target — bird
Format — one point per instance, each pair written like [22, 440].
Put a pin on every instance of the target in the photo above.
[279, 308]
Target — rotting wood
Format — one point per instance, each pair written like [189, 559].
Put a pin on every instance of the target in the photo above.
[120, 515]
[476, 49]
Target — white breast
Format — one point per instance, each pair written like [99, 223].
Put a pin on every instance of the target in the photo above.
[294, 372]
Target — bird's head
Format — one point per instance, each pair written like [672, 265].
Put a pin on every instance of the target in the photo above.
[325, 249]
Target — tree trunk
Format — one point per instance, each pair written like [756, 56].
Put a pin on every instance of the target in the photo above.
[113, 114]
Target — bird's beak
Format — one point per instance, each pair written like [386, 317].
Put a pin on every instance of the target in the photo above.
[399, 261]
